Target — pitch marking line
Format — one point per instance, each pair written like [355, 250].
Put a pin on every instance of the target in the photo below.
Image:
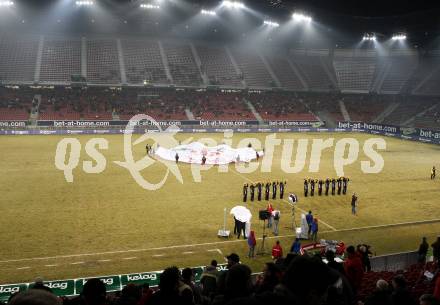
[129, 258]
[215, 250]
[54, 265]
[188, 252]
[77, 263]
[324, 223]
[211, 243]
[399, 224]
[104, 260]
[23, 268]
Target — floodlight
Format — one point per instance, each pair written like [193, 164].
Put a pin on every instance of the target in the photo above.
[301, 17]
[6, 3]
[271, 23]
[150, 6]
[206, 12]
[233, 4]
[369, 37]
[84, 3]
[399, 36]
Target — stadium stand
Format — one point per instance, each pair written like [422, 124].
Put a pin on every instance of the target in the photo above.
[365, 108]
[143, 62]
[312, 66]
[398, 71]
[15, 104]
[280, 106]
[75, 104]
[430, 119]
[416, 283]
[429, 76]
[319, 102]
[253, 69]
[18, 57]
[103, 62]
[220, 106]
[159, 104]
[355, 70]
[360, 71]
[182, 64]
[285, 73]
[218, 66]
[61, 59]
[408, 108]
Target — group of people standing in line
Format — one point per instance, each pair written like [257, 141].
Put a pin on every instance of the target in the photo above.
[324, 186]
[255, 190]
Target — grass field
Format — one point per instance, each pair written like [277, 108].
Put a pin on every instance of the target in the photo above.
[107, 224]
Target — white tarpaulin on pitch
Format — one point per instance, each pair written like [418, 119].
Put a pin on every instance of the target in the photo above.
[241, 213]
[221, 154]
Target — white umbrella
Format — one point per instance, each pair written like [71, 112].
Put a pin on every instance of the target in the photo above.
[241, 213]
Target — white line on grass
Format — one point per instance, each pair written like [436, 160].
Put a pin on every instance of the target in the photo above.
[216, 250]
[129, 258]
[23, 268]
[324, 223]
[210, 243]
[77, 263]
[104, 260]
[188, 252]
[53, 265]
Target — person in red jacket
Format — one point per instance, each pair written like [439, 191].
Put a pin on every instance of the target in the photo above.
[277, 251]
[252, 241]
[354, 269]
[269, 209]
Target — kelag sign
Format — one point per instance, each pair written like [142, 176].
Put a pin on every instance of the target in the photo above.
[112, 283]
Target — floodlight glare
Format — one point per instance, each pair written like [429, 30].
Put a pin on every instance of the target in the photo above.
[271, 23]
[150, 6]
[398, 37]
[6, 3]
[369, 37]
[84, 3]
[301, 17]
[206, 12]
[233, 4]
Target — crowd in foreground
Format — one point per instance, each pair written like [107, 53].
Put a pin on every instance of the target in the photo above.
[293, 279]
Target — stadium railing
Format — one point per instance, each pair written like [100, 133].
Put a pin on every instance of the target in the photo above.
[394, 262]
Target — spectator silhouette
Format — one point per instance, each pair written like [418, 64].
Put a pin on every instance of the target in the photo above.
[237, 285]
[269, 279]
[94, 292]
[401, 295]
[35, 297]
[130, 295]
[380, 296]
[168, 292]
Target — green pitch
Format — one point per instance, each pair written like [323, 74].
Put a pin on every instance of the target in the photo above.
[105, 223]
